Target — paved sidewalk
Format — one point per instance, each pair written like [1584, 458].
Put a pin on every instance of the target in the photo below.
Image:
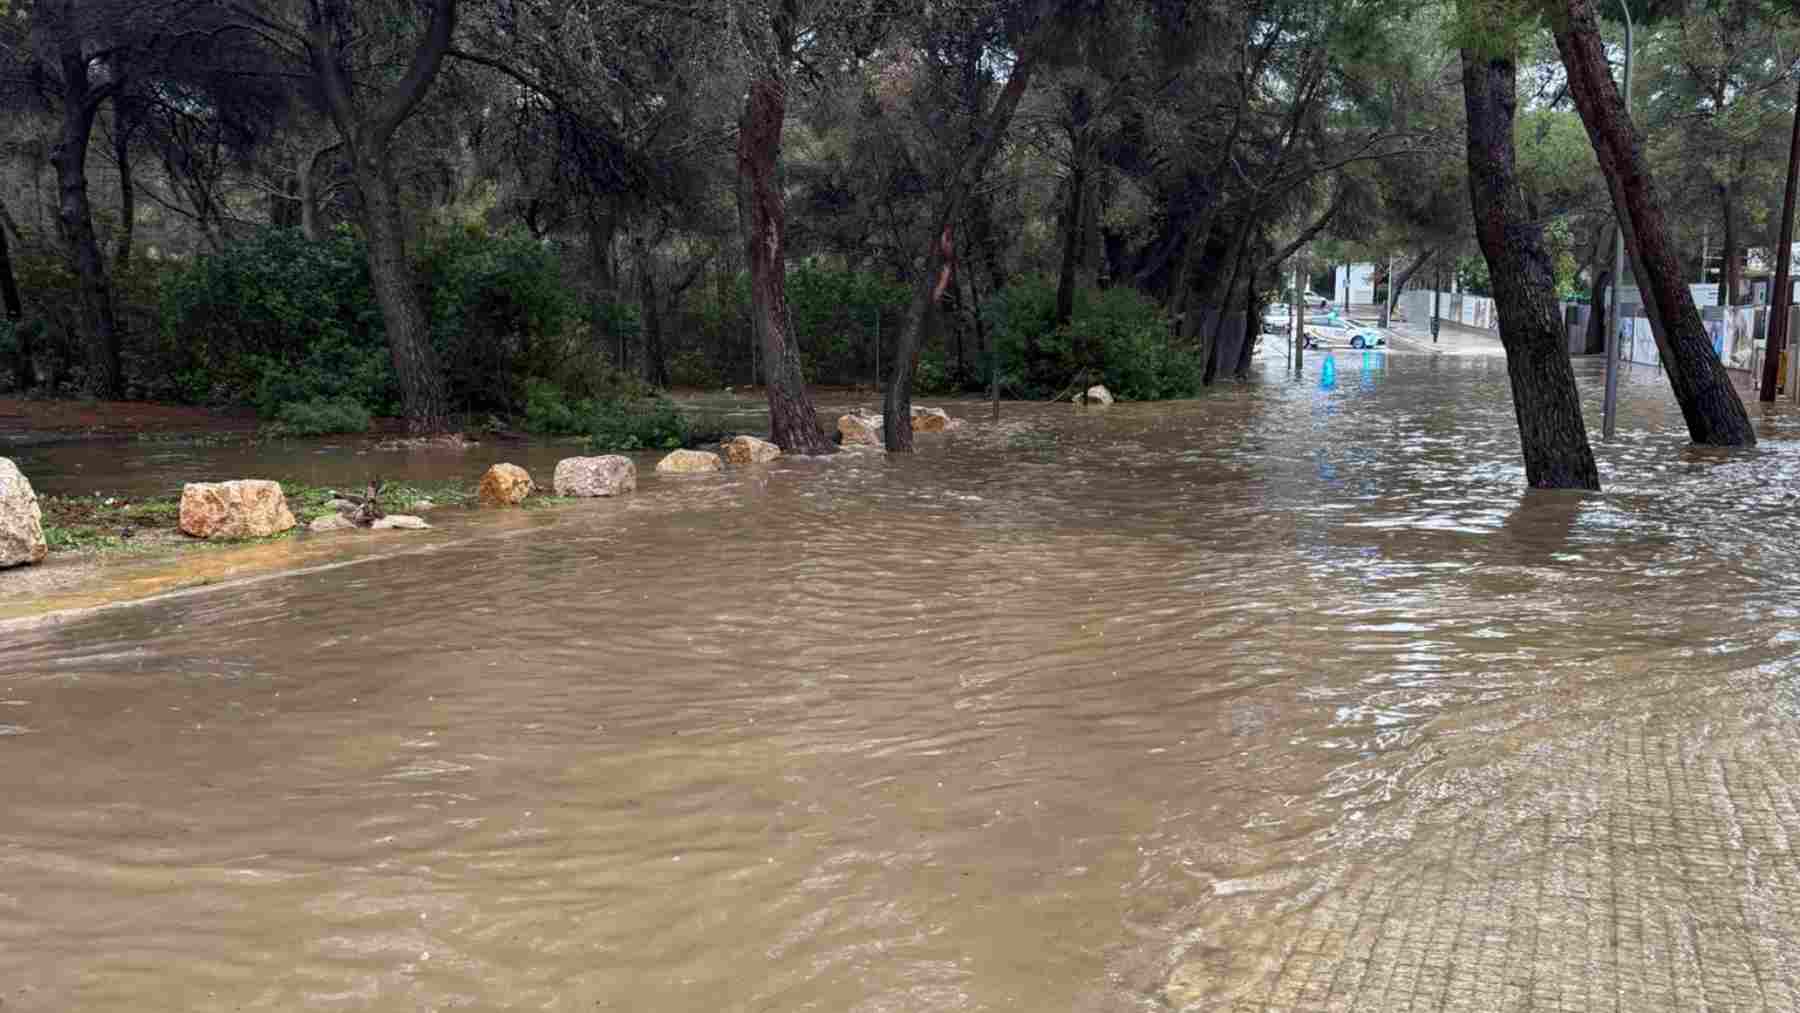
[1452, 340]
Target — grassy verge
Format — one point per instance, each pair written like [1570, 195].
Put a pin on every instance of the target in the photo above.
[141, 524]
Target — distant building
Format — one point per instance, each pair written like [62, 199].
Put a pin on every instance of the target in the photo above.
[1354, 284]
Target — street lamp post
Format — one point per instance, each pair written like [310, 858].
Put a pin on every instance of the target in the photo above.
[1609, 409]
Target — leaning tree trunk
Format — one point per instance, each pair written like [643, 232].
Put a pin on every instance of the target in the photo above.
[1545, 402]
[897, 432]
[793, 421]
[422, 393]
[1711, 407]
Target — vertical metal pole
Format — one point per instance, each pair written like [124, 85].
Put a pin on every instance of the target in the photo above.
[1609, 409]
[1437, 291]
[1297, 318]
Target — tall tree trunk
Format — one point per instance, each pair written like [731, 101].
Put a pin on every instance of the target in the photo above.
[1074, 216]
[123, 127]
[793, 421]
[15, 312]
[422, 390]
[1781, 298]
[1545, 402]
[1733, 280]
[367, 128]
[76, 218]
[897, 431]
[307, 172]
[656, 364]
[1711, 407]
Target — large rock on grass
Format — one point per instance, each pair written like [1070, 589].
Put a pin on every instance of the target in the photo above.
[244, 508]
[21, 519]
[749, 450]
[689, 462]
[504, 485]
[606, 475]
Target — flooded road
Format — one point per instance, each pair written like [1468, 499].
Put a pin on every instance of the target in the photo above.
[1287, 698]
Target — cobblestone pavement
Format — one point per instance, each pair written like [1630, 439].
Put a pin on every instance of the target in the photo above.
[1645, 865]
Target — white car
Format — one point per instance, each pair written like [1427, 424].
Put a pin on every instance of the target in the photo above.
[1330, 330]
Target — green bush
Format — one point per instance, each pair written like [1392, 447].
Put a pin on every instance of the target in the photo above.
[319, 418]
[647, 424]
[500, 316]
[550, 412]
[1126, 336]
[276, 320]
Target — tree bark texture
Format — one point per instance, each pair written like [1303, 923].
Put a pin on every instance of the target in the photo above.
[793, 421]
[75, 217]
[122, 130]
[15, 313]
[1733, 279]
[1781, 298]
[367, 130]
[1545, 402]
[897, 430]
[1711, 407]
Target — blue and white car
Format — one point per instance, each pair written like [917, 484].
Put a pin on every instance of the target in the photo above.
[1330, 330]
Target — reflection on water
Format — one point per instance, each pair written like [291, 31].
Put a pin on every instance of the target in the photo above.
[1079, 710]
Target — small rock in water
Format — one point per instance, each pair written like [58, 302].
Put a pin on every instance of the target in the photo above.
[749, 450]
[606, 475]
[1097, 394]
[243, 508]
[505, 485]
[400, 522]
[860, 429]
[689, 462]
[21, 519]
[933, 420]
[330, 522]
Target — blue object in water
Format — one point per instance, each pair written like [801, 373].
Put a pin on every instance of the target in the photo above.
[1328, 373]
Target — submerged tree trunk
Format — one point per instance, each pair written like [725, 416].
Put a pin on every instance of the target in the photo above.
[1711, 407]
[897, 430]
[1545, 402]
[793, 421]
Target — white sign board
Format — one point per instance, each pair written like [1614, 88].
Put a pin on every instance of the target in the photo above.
[1705, 295]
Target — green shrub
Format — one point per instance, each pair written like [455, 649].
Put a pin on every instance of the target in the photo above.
[691, 369]
[500, 316]
[319, 418]
[276, 320]
[647, 424]
[1125, 335]
[550, 412]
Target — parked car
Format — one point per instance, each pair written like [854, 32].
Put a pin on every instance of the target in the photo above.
[1330, 330]
[1278, 319]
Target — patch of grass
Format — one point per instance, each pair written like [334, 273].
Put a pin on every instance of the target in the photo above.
[310, 502]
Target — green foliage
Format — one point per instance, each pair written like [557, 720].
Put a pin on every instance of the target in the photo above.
[550, 412]
[277, 320]
[1123, 330]
[500, 315]
[837, 317]
[319, 418]
[647, 424]
[690, 368]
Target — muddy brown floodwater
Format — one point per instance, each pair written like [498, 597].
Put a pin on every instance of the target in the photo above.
[1281, 699]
